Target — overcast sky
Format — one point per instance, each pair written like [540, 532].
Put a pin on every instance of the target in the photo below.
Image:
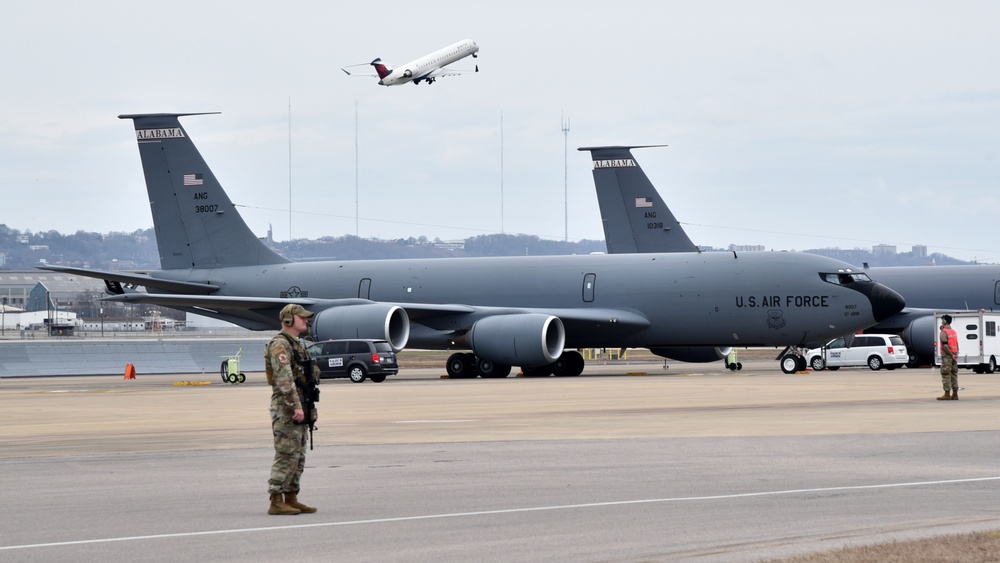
[792, 125]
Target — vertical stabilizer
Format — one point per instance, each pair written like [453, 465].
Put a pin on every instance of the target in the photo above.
[381, 68]
[196, 224]
[635, 217]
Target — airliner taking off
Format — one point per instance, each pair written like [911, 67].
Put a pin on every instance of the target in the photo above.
[425, 69]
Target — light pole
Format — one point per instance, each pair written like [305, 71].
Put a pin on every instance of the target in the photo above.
[3, 317]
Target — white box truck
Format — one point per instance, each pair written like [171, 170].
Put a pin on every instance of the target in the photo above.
[978, 342]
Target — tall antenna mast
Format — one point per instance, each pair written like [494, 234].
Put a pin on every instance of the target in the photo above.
[501, 172]
[356, 198]
[289, 169]
[565, 130]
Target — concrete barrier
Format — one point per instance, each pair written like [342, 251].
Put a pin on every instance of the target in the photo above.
[109, 357]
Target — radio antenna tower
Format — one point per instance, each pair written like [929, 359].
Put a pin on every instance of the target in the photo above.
[357, 197]
[501, 172]
[565, 130]
[289, 169]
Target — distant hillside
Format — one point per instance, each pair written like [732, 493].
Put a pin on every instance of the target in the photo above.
[137, 250]
[859, 257]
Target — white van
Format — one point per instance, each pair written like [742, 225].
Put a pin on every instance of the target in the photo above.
[873, 350]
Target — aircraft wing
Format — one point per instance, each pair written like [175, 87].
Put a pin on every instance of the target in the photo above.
[437, 316]
[444, 71]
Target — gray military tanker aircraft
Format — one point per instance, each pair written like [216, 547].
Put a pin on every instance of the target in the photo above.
[509, 311]
[637, 220]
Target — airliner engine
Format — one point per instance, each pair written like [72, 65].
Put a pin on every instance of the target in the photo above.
[692, 354]
[526, 340]
[376, 320]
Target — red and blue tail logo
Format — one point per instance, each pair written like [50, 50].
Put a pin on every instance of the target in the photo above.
[381, 69]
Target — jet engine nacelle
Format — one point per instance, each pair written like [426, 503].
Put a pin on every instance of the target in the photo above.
[692, 354]
[375, 321]
[407, 73]
[526, 340]
[920, 337]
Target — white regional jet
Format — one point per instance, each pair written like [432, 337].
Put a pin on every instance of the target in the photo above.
[427, 68]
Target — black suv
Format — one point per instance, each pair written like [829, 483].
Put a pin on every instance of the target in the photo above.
[357, 359]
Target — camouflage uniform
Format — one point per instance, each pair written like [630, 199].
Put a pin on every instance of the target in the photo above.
[289, 436]
[949, 365]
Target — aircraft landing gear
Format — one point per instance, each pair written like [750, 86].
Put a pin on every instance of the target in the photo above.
[464, 365]
[791, 363]
[461, 366]
[569, 364]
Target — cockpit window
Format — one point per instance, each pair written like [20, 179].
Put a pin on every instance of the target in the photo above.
[844, 277]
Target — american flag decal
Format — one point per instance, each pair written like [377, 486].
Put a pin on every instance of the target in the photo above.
[193, 180]
[643, 202]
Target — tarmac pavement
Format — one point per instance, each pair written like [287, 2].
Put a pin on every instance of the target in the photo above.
[625, 463]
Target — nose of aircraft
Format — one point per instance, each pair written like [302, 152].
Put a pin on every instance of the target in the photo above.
[885, 301]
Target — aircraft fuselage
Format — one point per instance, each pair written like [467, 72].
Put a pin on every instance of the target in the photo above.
[746, 299]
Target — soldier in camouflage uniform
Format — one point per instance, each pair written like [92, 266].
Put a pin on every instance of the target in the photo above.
[282, 365]
[949, 360]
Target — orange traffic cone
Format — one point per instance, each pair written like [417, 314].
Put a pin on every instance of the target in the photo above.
[129, 371]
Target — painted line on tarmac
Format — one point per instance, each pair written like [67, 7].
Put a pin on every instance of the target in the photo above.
[501, 511]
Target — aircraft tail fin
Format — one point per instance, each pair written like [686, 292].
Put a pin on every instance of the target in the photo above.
[381, 68]
[196, 224]
[635, 217]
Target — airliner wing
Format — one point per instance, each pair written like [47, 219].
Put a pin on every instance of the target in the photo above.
[444, 71]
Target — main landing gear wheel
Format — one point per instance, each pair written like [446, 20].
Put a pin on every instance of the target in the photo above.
[569, 364]
[790, 363]
[461, 366]
[491, 369]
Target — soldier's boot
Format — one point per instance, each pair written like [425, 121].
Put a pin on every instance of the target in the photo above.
[292, 499]
[945, 397]
[954, 395]
[278, 506]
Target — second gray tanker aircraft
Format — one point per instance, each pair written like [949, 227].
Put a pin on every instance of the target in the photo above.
[637, 220]
[527, 311]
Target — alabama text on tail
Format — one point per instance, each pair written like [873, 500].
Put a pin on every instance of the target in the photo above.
[197, 225]
[635, 218]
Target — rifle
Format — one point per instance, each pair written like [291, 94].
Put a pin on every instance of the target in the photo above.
[310, 391]
[310, 396]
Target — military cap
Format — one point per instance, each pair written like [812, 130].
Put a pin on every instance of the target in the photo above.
[289, 312]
